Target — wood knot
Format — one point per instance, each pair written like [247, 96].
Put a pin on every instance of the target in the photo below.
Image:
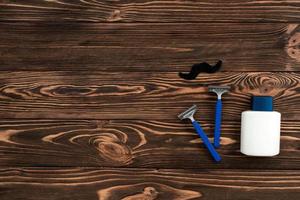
[266, 84]
[118, 153]
[293, 46]
[115, 16]
[149, 193]
[145, 191]
[113, 150]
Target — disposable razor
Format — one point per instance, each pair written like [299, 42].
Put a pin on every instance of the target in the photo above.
[219, 90]
[189, 114]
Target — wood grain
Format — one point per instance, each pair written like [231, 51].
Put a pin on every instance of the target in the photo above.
[148, 47]
[133, 143]
[139, 184]
[89, 94]
[151, 11]
[137, 95]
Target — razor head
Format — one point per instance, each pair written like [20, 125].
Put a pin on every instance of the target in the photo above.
[219, 90]
[189, 113]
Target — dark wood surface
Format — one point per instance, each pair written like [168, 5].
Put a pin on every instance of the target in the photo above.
[90, 93]
[151, 11]
[133, 143]
[147, 184]
[149, 46]
[140, 95]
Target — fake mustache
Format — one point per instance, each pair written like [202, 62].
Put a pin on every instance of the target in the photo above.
[201, 67]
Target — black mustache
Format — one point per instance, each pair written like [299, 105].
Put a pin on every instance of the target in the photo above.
[201, 67]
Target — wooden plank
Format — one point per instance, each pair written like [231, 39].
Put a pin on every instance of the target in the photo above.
[137, 95]
[133, 143]
[111, 184]
[151, 11]
[148, 47]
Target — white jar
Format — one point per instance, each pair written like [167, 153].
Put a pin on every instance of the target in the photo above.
[260, 130]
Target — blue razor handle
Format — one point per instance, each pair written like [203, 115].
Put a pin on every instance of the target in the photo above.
[206, 141]
[218, 119]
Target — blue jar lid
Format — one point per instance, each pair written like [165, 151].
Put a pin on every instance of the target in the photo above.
[262, 103]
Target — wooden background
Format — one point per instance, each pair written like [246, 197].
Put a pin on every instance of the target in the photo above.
[89, 94]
